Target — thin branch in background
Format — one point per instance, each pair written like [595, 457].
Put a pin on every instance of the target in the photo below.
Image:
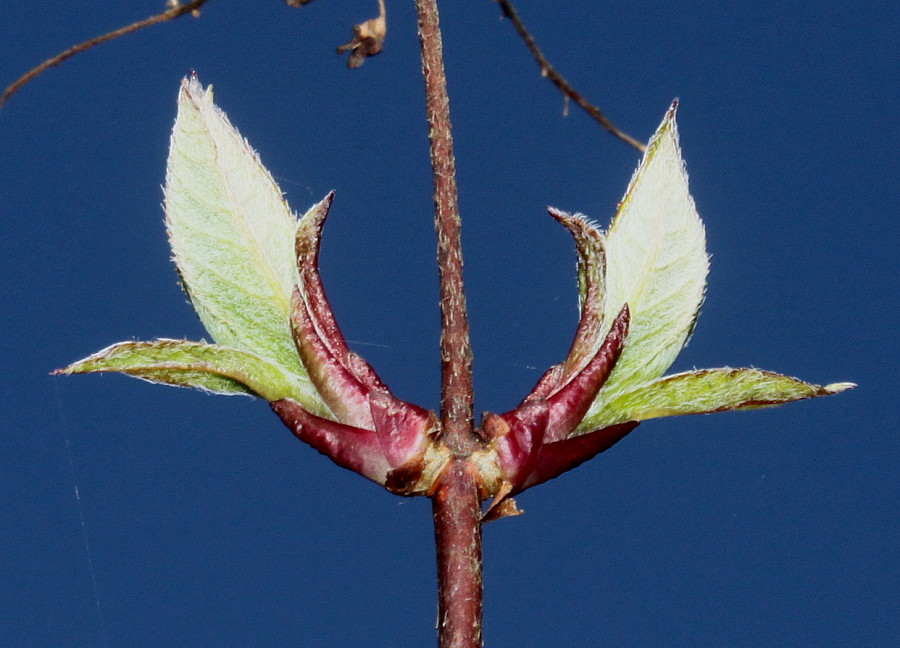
[549, 72]
[175, 10]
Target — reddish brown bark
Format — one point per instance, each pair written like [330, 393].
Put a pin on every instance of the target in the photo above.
[457, 533]
[455, 503]
[456, 352]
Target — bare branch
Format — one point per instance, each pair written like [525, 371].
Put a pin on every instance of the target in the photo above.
[174, 11]
[549, 72]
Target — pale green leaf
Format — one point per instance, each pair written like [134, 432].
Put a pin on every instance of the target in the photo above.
[232, 235]
[706, 391]
[656, 263]
[208, 367]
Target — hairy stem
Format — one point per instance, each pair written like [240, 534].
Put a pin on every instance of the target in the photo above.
[456, 504]
[457, 533]
[456, 352]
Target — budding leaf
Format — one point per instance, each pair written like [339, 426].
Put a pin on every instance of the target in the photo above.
[656, 263]
[653, 259]
[208, 367]
[706, 391]
[232, 236]
[261, 298]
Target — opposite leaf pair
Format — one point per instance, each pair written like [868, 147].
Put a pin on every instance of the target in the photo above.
[250, 269]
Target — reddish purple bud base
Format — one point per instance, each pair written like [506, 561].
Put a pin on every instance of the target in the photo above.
[532, 442]
[398, 445]
[373, 433]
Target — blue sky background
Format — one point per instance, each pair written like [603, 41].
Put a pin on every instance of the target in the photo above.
[137, 515]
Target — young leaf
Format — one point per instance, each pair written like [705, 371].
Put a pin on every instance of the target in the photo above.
[656, 263]
[706, 391]
[208, 367]
[232, 236]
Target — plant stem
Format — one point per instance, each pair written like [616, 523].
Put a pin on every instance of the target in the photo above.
[456, 505]
[457, 534]
[456, 352]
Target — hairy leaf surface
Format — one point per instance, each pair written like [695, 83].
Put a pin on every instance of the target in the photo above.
[706, 391]
[208, 367]
[656, 263]
[232, 236]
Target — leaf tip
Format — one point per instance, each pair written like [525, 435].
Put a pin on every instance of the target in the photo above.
[837, 388]
[673, 109]
[191, 85]
[74, 368]
[558, 214]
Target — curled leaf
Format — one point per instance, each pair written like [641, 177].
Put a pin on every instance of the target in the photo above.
[591, 251]
[570, 402]
[309, 236]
